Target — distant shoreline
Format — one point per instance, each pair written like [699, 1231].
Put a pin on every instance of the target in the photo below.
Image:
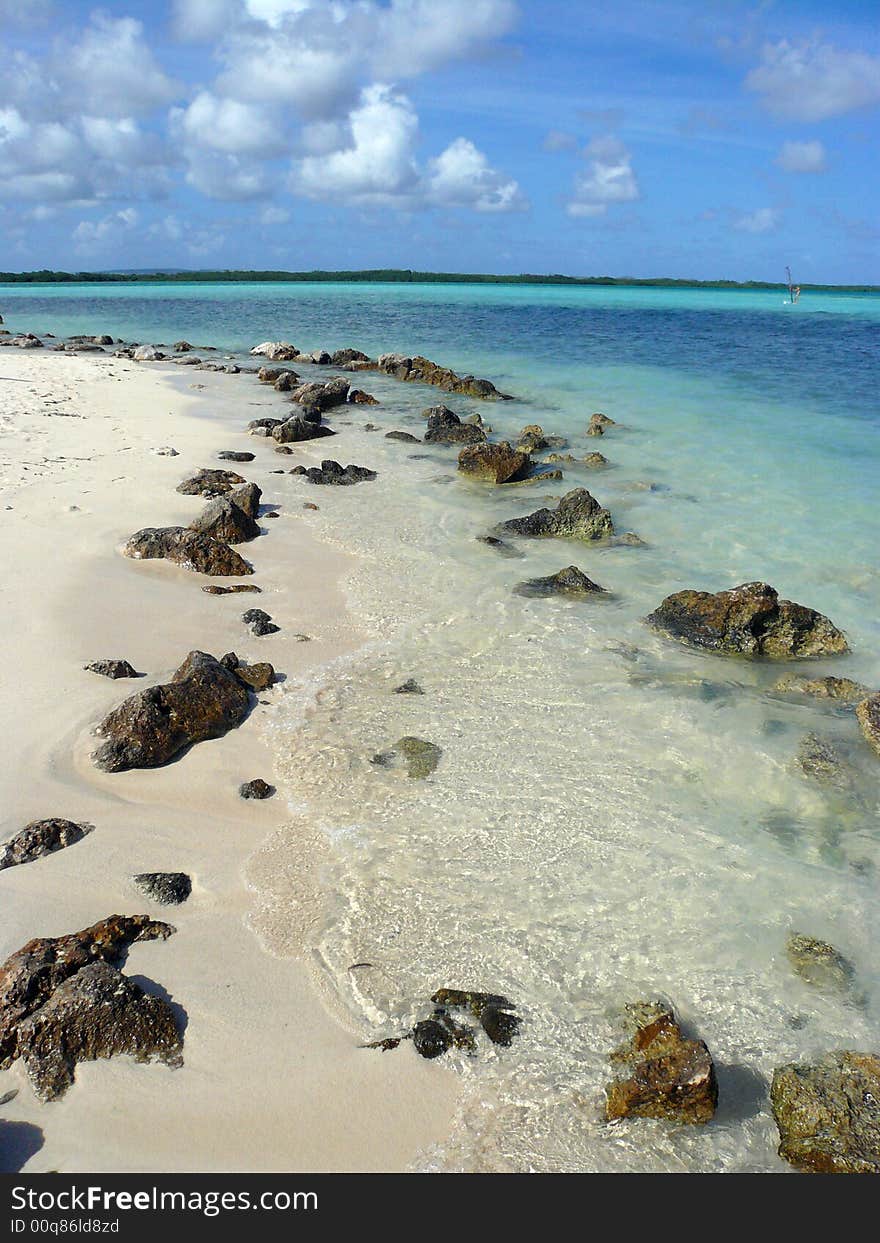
[401, 276]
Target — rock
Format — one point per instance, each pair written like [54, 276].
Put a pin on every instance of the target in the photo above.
[259, 676]
[39, 838]
[500, 546]
[409, 687]
[431, 1038]
[297, 428]
[262, 426]
[330, 472]
[113, 669]
[203, 700]
[595, 429]
[310, 505]
[445, 428]
[194, 362]
[628, 539]
[268, 375]
[223, 520]
[165, 451]
[601, 420]
[844, 690]
[258, 788]
[147, 354]
[191, 549]
[662, 1074]
[568, 582]
[749, 620]
[820, 759]
[179, 347]
[276, 351]
[418, 757]
[247, 498]
[319, 357]
[167, 888]
[235, 455]
[341, 358]
[214, 590]
[286, 382]
[26, 341]
[577, 516]
[497, 463]
[358, 397]
[407, 437]
[828, 1115]
[819, 963]
[532, 439]
[423, 371]
[499, 1025]
[469, 999]
[559, 457]
[322, 395]
[210, 483]
[260, 622]
[595, 460]
[868, 713]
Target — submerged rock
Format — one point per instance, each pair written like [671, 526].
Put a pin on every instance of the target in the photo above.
[407, 437]
[112, 669]
[330, 472]
[418, 757]
[868, 713]
[828, 1113]
[594, 460]
[431, 1038]
[497, 463]
[819, 963]
[203, 700]
[500, 546]
[748, 620]
[423, 371]
[568, 582]
[167, 888]
[409, 687]
[820, 759]
[499, 1025]
[191, 549]
[844, 690]
[577, 516]
[39, 838]
[258, 788]
[663, 1075]
[210, 483]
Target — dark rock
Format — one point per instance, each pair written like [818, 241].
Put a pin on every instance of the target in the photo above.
[418, 757]
[112, 669]
[191, 549]
[577, 516]
[277, 351]
[203, 700]
[259, 676]
[819, 963]
[431, 1038]
[322, 395]
[868, 713]
[358, 397]
[820, 759]
[469, 999]
[409, 687]
[179, 347]
[844, 690]
[594, 460]
[210, 483]
[498, 463]
[297, 428]
[330, 472]
[260, 622]
[749, 620]
[595, 429]
[39, 838]
[532, 439]
[601, 420]
[235, 455]
[500, 545]
[499, 1025]
[446, 428]
[405, 436]
[258, 788]
[247, 498]
[662, 1074]
[167, 888]
[286, 382]
[341, 358]
[223, 520]
[828, 1114]
[423, 371]
[568, 582]
[213, 590]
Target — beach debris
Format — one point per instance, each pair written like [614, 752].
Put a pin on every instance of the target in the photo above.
[406, 437]
[204, 699]
[167, 888]
[409, 687]
[568, 582]
[39, 838]
[113, 669]
[213, 589]
[868, 713]
[260, 622]
[235, 455]
[842, 690]
[748, 620]
[446, 428]
[828, 1113]
[819, 963]
[497, 463]
[434, 1036]
[418, 757]
[222, 519]
[595, 460]
[422, 371]
[276, 351]
[330, 472]
[188, 548]
[662, 1074]
[258, 788]
[63, 1000]
[210, 483]
[298, 428]
[578, 515]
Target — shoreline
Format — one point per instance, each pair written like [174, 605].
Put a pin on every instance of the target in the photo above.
[252, 1017]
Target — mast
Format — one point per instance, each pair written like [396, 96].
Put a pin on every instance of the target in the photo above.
[790, 284]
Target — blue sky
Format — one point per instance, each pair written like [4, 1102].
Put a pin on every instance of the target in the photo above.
[691, 138]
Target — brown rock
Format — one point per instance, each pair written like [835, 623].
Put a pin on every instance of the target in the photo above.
[828, 1115]
[210, 483]
[663, 1075]
[191, 549]
[39, 838]
[868, 713]
[223, 520]
[498, 463]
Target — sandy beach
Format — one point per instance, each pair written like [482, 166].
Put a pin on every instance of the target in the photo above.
[270, 1080]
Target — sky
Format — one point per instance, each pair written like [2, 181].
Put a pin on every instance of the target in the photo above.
[709, 139]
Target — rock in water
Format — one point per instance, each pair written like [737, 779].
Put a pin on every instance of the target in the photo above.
[819, 963]
[41, 837]
[235, 589]
[499, 1025]
[577, 516]
[258, 788]
[276, 351]
[113, 669]
[203, 700]
[820, 759]
[568, 582]
[431, 1038]
[844, 690]
[407, 437]
[191, 549]
[297, 428]
[446, 428]
[828, 1113]
[260, 622]
[496, 463]
[168, 888]
[663, 1075]
[210, 483]
[235, 455]
[749, 620]
[330, 472]
[868, 713]
[223, 520]
[420, 758]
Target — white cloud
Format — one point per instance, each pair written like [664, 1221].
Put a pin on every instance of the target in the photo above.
[111, 71]
[802, 157]
[763, 220]
[608, 180]
[92, 234]
[814, 81]
[231, 126]
[461, 176]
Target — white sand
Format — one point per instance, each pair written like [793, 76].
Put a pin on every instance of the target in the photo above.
[270, 1081]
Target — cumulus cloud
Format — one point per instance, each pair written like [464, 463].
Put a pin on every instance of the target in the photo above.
[762, 220]
[92, 234]
[802, 157]
[230, 125]
[461, 176]
[607, 181]
[813, 81]
[110, 71]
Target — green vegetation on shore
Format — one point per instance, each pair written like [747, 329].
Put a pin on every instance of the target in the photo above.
[392, 276]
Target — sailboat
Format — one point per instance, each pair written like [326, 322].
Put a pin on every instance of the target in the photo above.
[794, 291]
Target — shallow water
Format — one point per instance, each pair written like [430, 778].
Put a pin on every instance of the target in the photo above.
[614, 816]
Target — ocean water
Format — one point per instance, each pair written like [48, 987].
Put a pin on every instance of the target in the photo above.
[614, 816]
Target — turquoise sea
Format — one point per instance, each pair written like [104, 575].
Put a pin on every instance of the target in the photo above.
[614, 816]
